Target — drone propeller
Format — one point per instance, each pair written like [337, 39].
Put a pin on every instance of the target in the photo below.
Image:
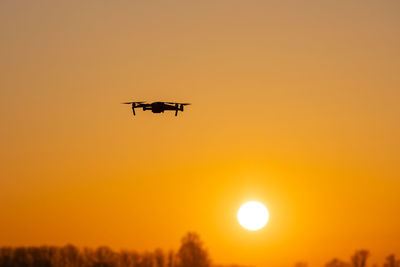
[137, 102]
[175, 103]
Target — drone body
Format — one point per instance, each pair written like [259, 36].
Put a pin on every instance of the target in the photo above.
[157, 107]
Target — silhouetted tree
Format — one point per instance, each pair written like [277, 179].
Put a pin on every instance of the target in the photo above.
[391, 261]
[159, 258]
[105, 257]
[6, 257]
[171, 259]
[22, 258]
[40, 257]
[147, 260]
[337, 263]
[192, 253]
[359, 259]
[126, 259]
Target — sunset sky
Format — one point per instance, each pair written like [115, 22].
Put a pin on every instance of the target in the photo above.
[294, 104]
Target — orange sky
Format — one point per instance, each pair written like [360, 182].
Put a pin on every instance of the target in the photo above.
[294, 104]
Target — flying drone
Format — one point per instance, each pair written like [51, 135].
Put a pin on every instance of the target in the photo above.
[157, 107]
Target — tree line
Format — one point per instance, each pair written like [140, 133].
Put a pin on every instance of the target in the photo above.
[190, 254]
[358, 259]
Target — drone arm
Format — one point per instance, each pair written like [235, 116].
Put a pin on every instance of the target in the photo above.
[176, 109]
[133, 109]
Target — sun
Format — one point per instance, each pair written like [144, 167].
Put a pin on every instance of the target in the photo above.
[253, 215]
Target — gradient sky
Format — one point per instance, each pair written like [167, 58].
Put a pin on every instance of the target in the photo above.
[295, 104]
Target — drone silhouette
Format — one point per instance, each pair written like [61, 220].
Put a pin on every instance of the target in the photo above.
[157, 107]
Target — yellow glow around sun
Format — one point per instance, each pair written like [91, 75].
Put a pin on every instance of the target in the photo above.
[253, 215]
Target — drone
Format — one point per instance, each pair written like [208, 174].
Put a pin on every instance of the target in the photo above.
[157, 107]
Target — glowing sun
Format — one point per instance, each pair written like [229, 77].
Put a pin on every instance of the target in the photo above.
[253, 215]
